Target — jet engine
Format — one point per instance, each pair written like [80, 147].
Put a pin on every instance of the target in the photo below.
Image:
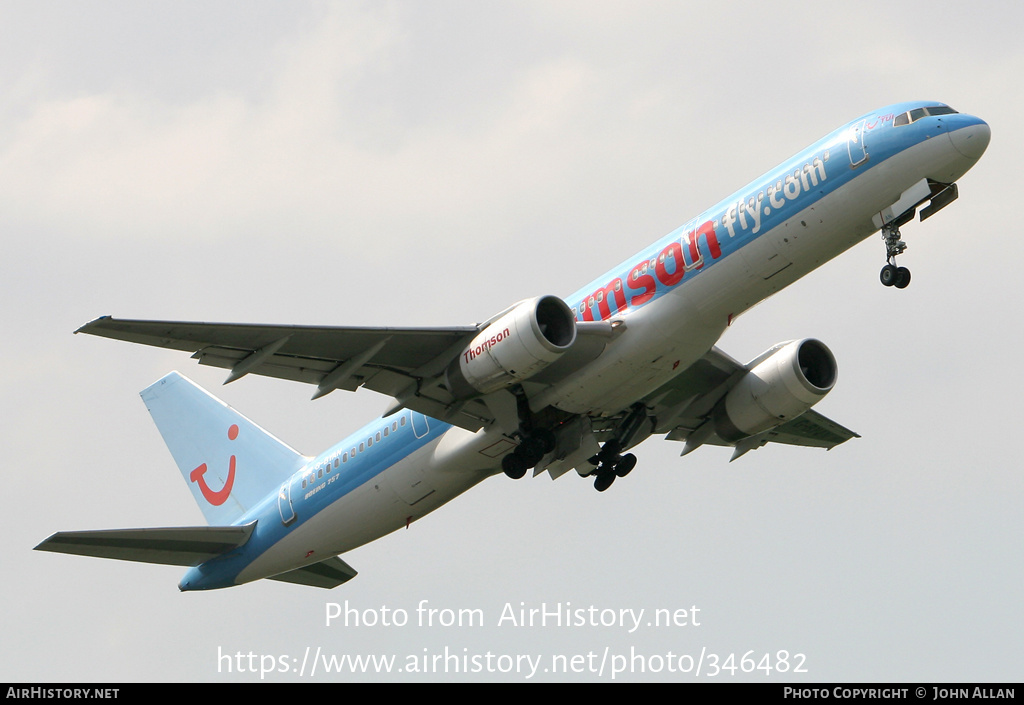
[513, 347]
[787, 381]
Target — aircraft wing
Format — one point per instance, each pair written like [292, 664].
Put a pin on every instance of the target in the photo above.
[684, 404]
[405, 363]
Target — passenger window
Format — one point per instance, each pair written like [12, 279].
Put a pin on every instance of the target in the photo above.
[378, 436]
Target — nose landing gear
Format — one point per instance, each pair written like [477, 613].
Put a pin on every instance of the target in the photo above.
[891, 275]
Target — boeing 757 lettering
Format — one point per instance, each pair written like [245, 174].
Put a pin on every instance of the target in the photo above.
[549, 384]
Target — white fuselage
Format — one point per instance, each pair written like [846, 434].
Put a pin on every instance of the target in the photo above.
[662, 337]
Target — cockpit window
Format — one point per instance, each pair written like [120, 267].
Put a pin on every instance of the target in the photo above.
[918, 113]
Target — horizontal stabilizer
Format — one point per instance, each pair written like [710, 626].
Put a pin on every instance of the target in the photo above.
[326, 574]
[172, 546]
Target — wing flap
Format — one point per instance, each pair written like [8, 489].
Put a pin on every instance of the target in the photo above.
[186, 546]
[293, 369]
[811, 429]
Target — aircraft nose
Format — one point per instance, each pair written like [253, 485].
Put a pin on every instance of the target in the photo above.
[971, 141]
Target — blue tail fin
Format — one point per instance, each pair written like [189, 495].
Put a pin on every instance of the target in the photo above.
[229, 463]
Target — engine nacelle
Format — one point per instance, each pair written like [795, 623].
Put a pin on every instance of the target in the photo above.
[514, 347]
[792, 379]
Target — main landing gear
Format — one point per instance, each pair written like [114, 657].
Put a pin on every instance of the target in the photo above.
[528, 453]
[609, 461]
[610, 464]
[534, 446]
[891, 275]
[536, 439]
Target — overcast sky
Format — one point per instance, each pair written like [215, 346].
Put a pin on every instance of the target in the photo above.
[429, 163]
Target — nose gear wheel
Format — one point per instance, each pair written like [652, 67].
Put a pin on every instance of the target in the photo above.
[891, 275]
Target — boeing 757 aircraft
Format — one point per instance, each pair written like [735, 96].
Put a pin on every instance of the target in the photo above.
[549, 384]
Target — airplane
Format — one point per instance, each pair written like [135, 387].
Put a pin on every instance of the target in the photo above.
[549, 384]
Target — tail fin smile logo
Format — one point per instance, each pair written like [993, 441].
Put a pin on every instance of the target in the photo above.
[235, 473]
[220, 496]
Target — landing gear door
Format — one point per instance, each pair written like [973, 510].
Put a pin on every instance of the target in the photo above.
[855, 142]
